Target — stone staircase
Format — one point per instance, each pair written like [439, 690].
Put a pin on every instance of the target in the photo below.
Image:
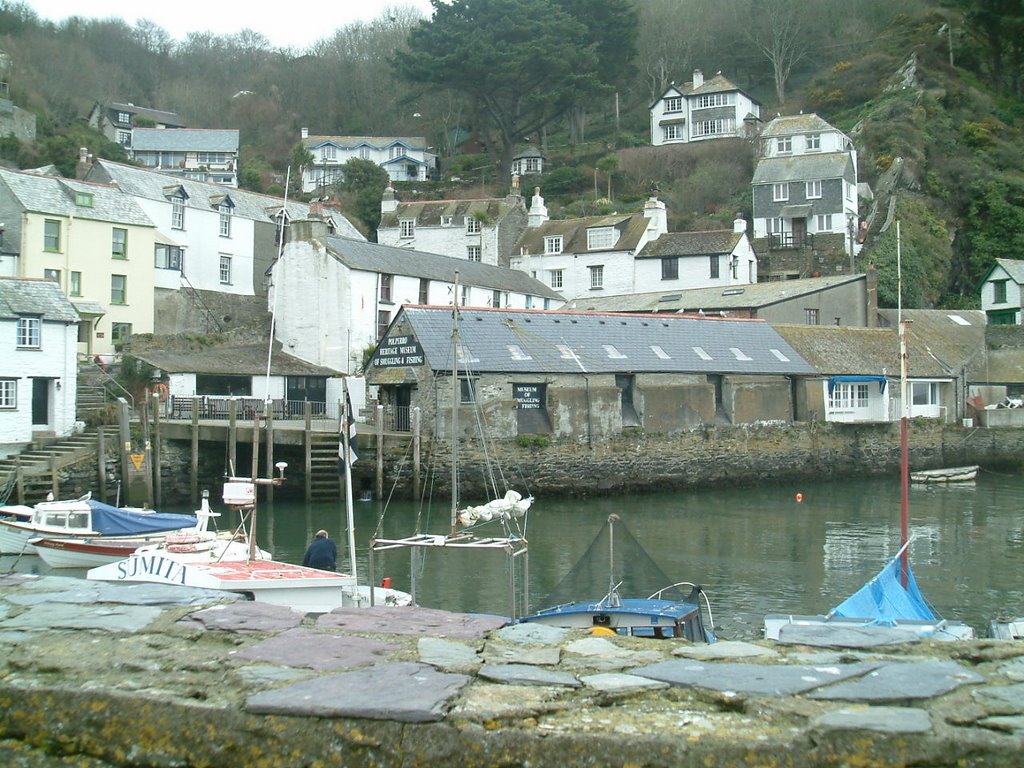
[27, 477]
[92, 395]
[325, 483]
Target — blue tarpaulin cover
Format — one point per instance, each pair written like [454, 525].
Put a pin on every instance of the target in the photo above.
[833, 380]
[884, 600]
[113, 521]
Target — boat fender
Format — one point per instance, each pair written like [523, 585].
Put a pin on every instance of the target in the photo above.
[603, 631]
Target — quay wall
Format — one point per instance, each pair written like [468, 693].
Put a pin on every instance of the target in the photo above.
[634, 462]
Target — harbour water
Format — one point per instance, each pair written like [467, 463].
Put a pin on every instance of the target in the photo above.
[769, 549]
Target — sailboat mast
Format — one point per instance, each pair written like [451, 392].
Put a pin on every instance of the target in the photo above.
[346, 425]
[905, 408]
[255, 494]
[455, 403]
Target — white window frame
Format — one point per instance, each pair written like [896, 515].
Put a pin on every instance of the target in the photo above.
[780, 191]
[813, 142]
[224, 209]
[553, 244]
[224, 269]
[601, 238]
[813, 189]
[124, 117]
[329, 152]
[473, 253]
[930, 390]
[824, 222]
[849, 396]
[168, 256]
[672, 132]
[8, 393]
[177, 212]
[406, 228]
[30, 333]
[556, 278]
[596, 276]
[124, 138]
[784, 145]
[473, 225]
[673, 104]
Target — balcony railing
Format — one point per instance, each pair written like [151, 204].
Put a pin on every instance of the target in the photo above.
[783, 240]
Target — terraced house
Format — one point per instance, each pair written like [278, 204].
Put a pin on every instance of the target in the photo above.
[405, 158]
[91, 240]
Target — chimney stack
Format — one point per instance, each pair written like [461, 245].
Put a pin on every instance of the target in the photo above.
[739, 225]
[872, 297]
[538, 211]
[305, 133]
[698, 78]
[388, 201]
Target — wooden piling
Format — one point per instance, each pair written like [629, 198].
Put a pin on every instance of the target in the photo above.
[269, 414]
[232, 435]
[307, 412]
[157, 474]
[416, 452]
[195, 450]
[380, 452]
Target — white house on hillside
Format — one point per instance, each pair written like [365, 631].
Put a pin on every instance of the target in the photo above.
[683, 260]
[589, 256]
[191, 153]
[337, 296]
[1002, 292]
[117, 121]
[38, 375]
[405, 158]
[702, 109]
[805, 183]
[477, 230]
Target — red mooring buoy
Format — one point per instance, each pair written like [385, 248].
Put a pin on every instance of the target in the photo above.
[799, 498]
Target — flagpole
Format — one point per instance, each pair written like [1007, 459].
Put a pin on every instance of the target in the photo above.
[347, 424]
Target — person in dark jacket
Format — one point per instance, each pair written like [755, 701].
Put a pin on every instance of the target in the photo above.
[322, 553]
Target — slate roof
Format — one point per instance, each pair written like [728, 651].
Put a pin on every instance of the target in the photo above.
[184, 140]
[788, 125]
[1014, 268]
[156, 115]
[1001, 361]
[692, 244]
[31, 296]
[351, 142]
[831, 165]
[152, 185]
[838, 351]
[243, 359]
[631, 228]
[538, 342]
[714, 299]
[717, 84]
[429, 212]
[388, 260]
[56, 196]
[952, 336]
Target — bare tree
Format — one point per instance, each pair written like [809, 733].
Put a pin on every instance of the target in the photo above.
[778, 29]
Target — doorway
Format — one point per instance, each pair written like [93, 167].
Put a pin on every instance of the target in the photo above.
[40, 402]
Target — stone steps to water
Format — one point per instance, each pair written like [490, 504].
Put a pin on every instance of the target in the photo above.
[324, 482]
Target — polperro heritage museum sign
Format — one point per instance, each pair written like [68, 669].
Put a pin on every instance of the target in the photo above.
[397, 351]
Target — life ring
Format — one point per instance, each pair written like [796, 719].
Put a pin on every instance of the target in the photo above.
[160, 391]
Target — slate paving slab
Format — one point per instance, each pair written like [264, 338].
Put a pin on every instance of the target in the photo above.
[881, 719]
[321, 651]
[764, 679]
[1006, 723]
[528, 632]
[524, 674]
[449, 655]
[110, 618]
[61, 589]
[897, 681]
[410, 621]
[839, 636]
[724, 649]
[614, 682]
[246, 616]
[502, 653]
[1002, 699]
[1014, 669]
[404, 691]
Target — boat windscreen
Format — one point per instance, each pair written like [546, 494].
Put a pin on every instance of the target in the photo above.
[639, 575]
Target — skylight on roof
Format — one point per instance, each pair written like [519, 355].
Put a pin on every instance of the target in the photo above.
[517, 352]
[465, 356]
[702, 354]
[671, 297]
[613, 352]
[732, 291]
[739, 354]
[959, 320]
[780, 357]
[660, 352]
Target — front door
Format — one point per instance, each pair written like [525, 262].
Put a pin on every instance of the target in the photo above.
[301, 389]
[403, 402]
[799, 232]
[40, 402]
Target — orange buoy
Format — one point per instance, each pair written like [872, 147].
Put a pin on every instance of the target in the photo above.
[799, 498]
[386, 582]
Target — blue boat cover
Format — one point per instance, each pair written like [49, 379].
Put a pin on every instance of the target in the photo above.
[885, 601]
[112, 521]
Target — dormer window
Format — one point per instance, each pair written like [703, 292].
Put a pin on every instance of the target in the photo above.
[83, 199]
[472, 226]
[364, 153]
[553, 244]
[784, 144]
[446, 221]
[813, 142]
[395, 150]
[674, 104]
[407, 228]
[177, 212]
[330, 152]
[601, 237]
[124, 118]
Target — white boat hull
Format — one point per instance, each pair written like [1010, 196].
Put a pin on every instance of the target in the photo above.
[775, 625]
[948, 475]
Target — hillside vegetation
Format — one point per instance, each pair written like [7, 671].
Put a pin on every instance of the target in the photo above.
[929, 91]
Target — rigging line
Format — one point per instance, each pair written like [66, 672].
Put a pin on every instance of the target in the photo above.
[273, 307]
[391, 493]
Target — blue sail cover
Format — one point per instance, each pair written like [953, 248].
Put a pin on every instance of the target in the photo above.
[883, 600]
[112, 521]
